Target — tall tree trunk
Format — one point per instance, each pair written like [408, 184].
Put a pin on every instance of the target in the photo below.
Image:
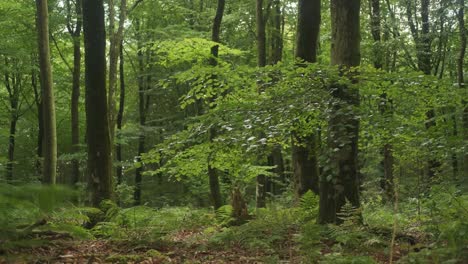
[75, 33]
[120, 115]
[40, 124]
[343, 124]
[376, 33]
[97, 129]
[50, 136]
[386, 182]
[11, 84]
[304, 148]
[215, 189]
[143, 107]
[276, 34]
[262, 180]
[114, 46]
[461, 82]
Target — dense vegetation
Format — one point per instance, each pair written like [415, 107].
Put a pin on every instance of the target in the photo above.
[213, 131]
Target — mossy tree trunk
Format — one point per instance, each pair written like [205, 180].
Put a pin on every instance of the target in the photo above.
[339, 183]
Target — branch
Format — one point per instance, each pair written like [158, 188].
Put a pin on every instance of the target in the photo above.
[60, 53]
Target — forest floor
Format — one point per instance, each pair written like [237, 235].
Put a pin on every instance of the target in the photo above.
[185, 246]
[277, 234]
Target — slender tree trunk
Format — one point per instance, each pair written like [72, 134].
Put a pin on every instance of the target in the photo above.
[304, 149]
[387, 162]
[97, 129]
[376, 33]
[261, 34]
[120, 115]
[143, 107]
[343, 124]
[215, 189]
[50, 136]
[262, 181]
[11, 150]
[461, 83]
[40, 124]
[75, 98]
[277, 37]
[114, 46]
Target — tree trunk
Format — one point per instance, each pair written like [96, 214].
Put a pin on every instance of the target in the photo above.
[262, 181]
[261, 34]
[143, 107]
[461, 83]
[276, 34]
[75, 98]
[97, 129]
[40, 123]
[304, 149]
[11, 146]
[376, 33]
[386, 182]
[50, 136]
[114, 46]
[340, 183]
[120, 115]
[215, 189]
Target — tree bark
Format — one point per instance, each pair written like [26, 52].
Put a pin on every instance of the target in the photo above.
[215, 189]
[304, 148]
[114, 46]
[40, 124]
[97, 130]
[276, 34]
[50, 136]
[340, 183]
[120, 115]
[75, 33]
[143, 107]
[461, 82]
[12, 86]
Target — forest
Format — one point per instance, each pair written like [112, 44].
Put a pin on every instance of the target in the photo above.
[239, 131]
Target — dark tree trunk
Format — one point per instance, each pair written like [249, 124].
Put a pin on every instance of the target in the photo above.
[143, 107]
[276, 159]
[306, 170]
[304, 149]
[262, 181]
[376, 33]
[75, 98]
[277, 40]
[97, 129]
[50, 136]
[341, 183]
[261, 34]
[461, 82]
[387, 162]
[120, 115]
[215, 188]
[11, 149]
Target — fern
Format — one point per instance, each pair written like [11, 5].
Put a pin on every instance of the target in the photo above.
[308, 205]
[224, 215]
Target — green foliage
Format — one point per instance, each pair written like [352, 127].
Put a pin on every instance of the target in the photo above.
[308, 205]
[141, 223]
[24, 205]
[309, 240]
[224, 215]
[267, 232]
[346, 259]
